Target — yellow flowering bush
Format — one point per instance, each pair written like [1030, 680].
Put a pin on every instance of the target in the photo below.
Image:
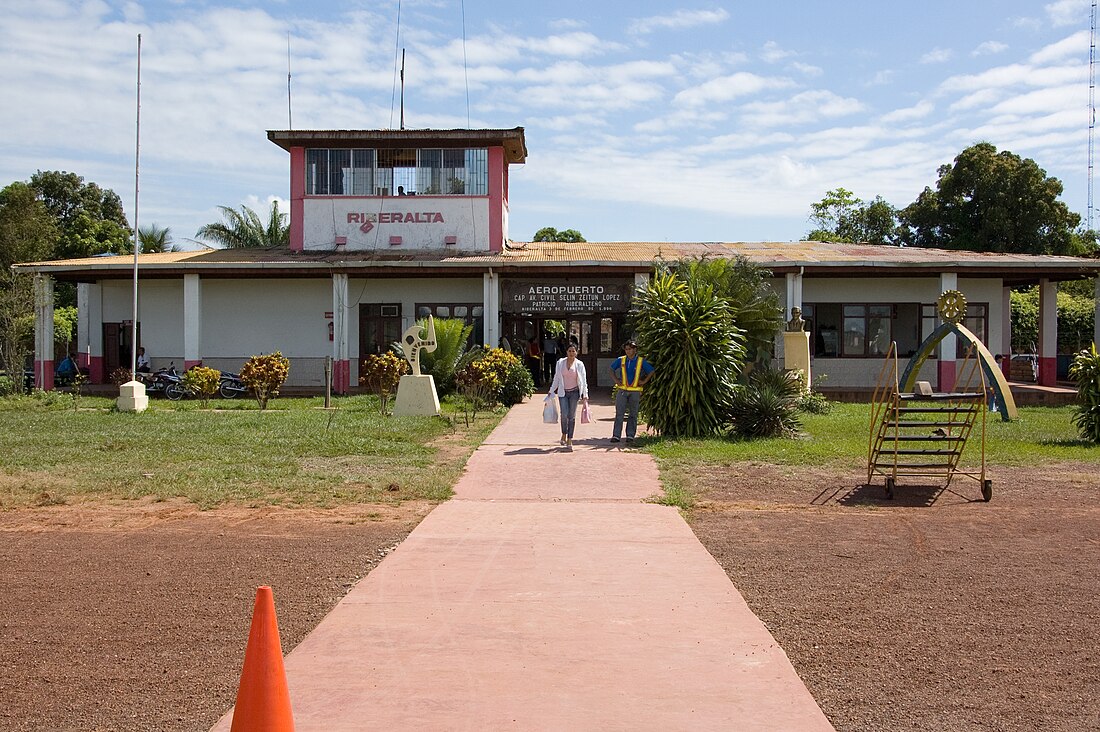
[264, 375]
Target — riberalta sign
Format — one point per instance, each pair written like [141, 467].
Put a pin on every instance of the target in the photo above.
[583, 296]
[367, 221]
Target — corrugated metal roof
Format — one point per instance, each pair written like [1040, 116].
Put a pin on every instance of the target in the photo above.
[814, 256]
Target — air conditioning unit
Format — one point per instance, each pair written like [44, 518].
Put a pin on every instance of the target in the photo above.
[391, 311]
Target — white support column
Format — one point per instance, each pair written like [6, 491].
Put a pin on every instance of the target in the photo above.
[945, 368]
[1006, 330]
[490, 297]
[794, 292]
[43, 332]
[192, 320]
[341, 366]
[1096, 316]
[1048, 332]
[89, 330]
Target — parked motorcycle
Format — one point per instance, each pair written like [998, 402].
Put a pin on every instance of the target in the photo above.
[165, 382]
[231, 386]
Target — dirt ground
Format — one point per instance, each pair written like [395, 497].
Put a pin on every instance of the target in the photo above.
[932, 611]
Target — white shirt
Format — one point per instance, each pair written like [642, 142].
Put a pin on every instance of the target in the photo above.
[557, 388]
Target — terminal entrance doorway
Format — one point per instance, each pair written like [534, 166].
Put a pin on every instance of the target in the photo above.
[595, 336]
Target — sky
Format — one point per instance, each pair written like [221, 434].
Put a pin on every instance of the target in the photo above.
[645, 121]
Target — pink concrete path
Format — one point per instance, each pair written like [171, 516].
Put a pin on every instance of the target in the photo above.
[547, 595]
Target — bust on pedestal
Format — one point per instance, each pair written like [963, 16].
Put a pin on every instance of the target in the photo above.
[796, 347]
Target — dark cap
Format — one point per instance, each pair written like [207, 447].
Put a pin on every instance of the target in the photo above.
[630, 344]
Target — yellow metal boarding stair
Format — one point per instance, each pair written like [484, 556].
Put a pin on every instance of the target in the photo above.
[923, 433]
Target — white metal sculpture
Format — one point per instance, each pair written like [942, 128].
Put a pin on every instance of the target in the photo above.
[412, 344]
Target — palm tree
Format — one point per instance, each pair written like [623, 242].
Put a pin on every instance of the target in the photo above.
[156, 239]
[244, 229]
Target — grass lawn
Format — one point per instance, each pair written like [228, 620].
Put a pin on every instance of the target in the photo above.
[839, 439]
[295, 453]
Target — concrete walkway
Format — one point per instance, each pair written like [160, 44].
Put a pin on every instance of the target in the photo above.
[547, 595]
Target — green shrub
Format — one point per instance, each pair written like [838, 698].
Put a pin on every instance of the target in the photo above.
[381, 373]
[264, 375]
[451, 336]
[1085, 370]
[767, 406]
[685, 330]
[494, 376]
[517, 384]
[7, 386]
[202, 381]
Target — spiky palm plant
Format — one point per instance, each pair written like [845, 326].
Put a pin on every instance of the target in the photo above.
[245, 229]
[766, 405]
[684, 329]
[451, 336]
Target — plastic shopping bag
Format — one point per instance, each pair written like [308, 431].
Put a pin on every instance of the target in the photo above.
[586, 416]
[550, 411]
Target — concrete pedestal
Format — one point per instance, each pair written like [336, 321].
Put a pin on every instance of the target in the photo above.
[796, 353]
[132, 398]
[416, 397]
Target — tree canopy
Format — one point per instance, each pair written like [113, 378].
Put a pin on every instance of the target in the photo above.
[28, 232]
[985, 201]
[842, 217]
[90, 219]
[244, 228]
[549, 233]
[990, 201]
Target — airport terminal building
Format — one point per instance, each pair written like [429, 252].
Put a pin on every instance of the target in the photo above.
[388, 226]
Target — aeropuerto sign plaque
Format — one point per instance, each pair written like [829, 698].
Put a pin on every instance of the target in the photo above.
[581, 296]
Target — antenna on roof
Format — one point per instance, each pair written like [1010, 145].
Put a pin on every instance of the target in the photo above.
[289, 117]
[402, 88]
[1092, 101]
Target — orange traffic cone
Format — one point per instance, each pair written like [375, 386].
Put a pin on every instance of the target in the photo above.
[263, 700]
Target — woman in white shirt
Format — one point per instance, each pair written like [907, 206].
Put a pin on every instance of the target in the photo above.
[570, 386]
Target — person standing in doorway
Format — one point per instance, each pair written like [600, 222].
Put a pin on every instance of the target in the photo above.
[570, 386]
[630, 372]
[549, 355]
[533, 357]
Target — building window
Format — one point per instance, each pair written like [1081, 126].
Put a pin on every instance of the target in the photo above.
[862, 330]
[470, 313]
[976, 321]
[397, 171]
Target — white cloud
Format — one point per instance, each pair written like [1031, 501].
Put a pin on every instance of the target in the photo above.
[772, 52]
[988, 48]
[726, 88]
[917, 111]
[1076, 45]
[881, 78]
[937, 56]
[807, 69]
[677, 21]
[1068, 12]
[805, 107]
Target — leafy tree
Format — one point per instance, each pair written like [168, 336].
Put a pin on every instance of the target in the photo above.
[549, 233]
[989, 201]
[1076, 315]
[684, 327]
[28, 231]
[841, 217]
[752, 304]
[244, 228]
[1085, 370]
[90, 219]
[16, 323]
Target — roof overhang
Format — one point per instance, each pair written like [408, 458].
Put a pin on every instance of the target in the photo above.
[513, 141]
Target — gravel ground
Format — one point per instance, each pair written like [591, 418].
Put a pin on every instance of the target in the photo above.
[932, 611]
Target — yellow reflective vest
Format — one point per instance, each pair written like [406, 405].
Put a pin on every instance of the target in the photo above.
[633, 383]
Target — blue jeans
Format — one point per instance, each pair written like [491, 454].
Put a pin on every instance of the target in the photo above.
[626, 404]
[568, 404]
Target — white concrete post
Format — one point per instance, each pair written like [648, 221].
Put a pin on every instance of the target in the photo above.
[1006, 330]
[490, 297]
[43, 332]
[341, 366]
[794, 292]
[192, 320]
[1048, 332]
[89, 330]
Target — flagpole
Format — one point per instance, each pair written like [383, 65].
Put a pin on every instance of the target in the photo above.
[137, 236]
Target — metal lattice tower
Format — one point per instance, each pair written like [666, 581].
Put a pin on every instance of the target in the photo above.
[1092, 101]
